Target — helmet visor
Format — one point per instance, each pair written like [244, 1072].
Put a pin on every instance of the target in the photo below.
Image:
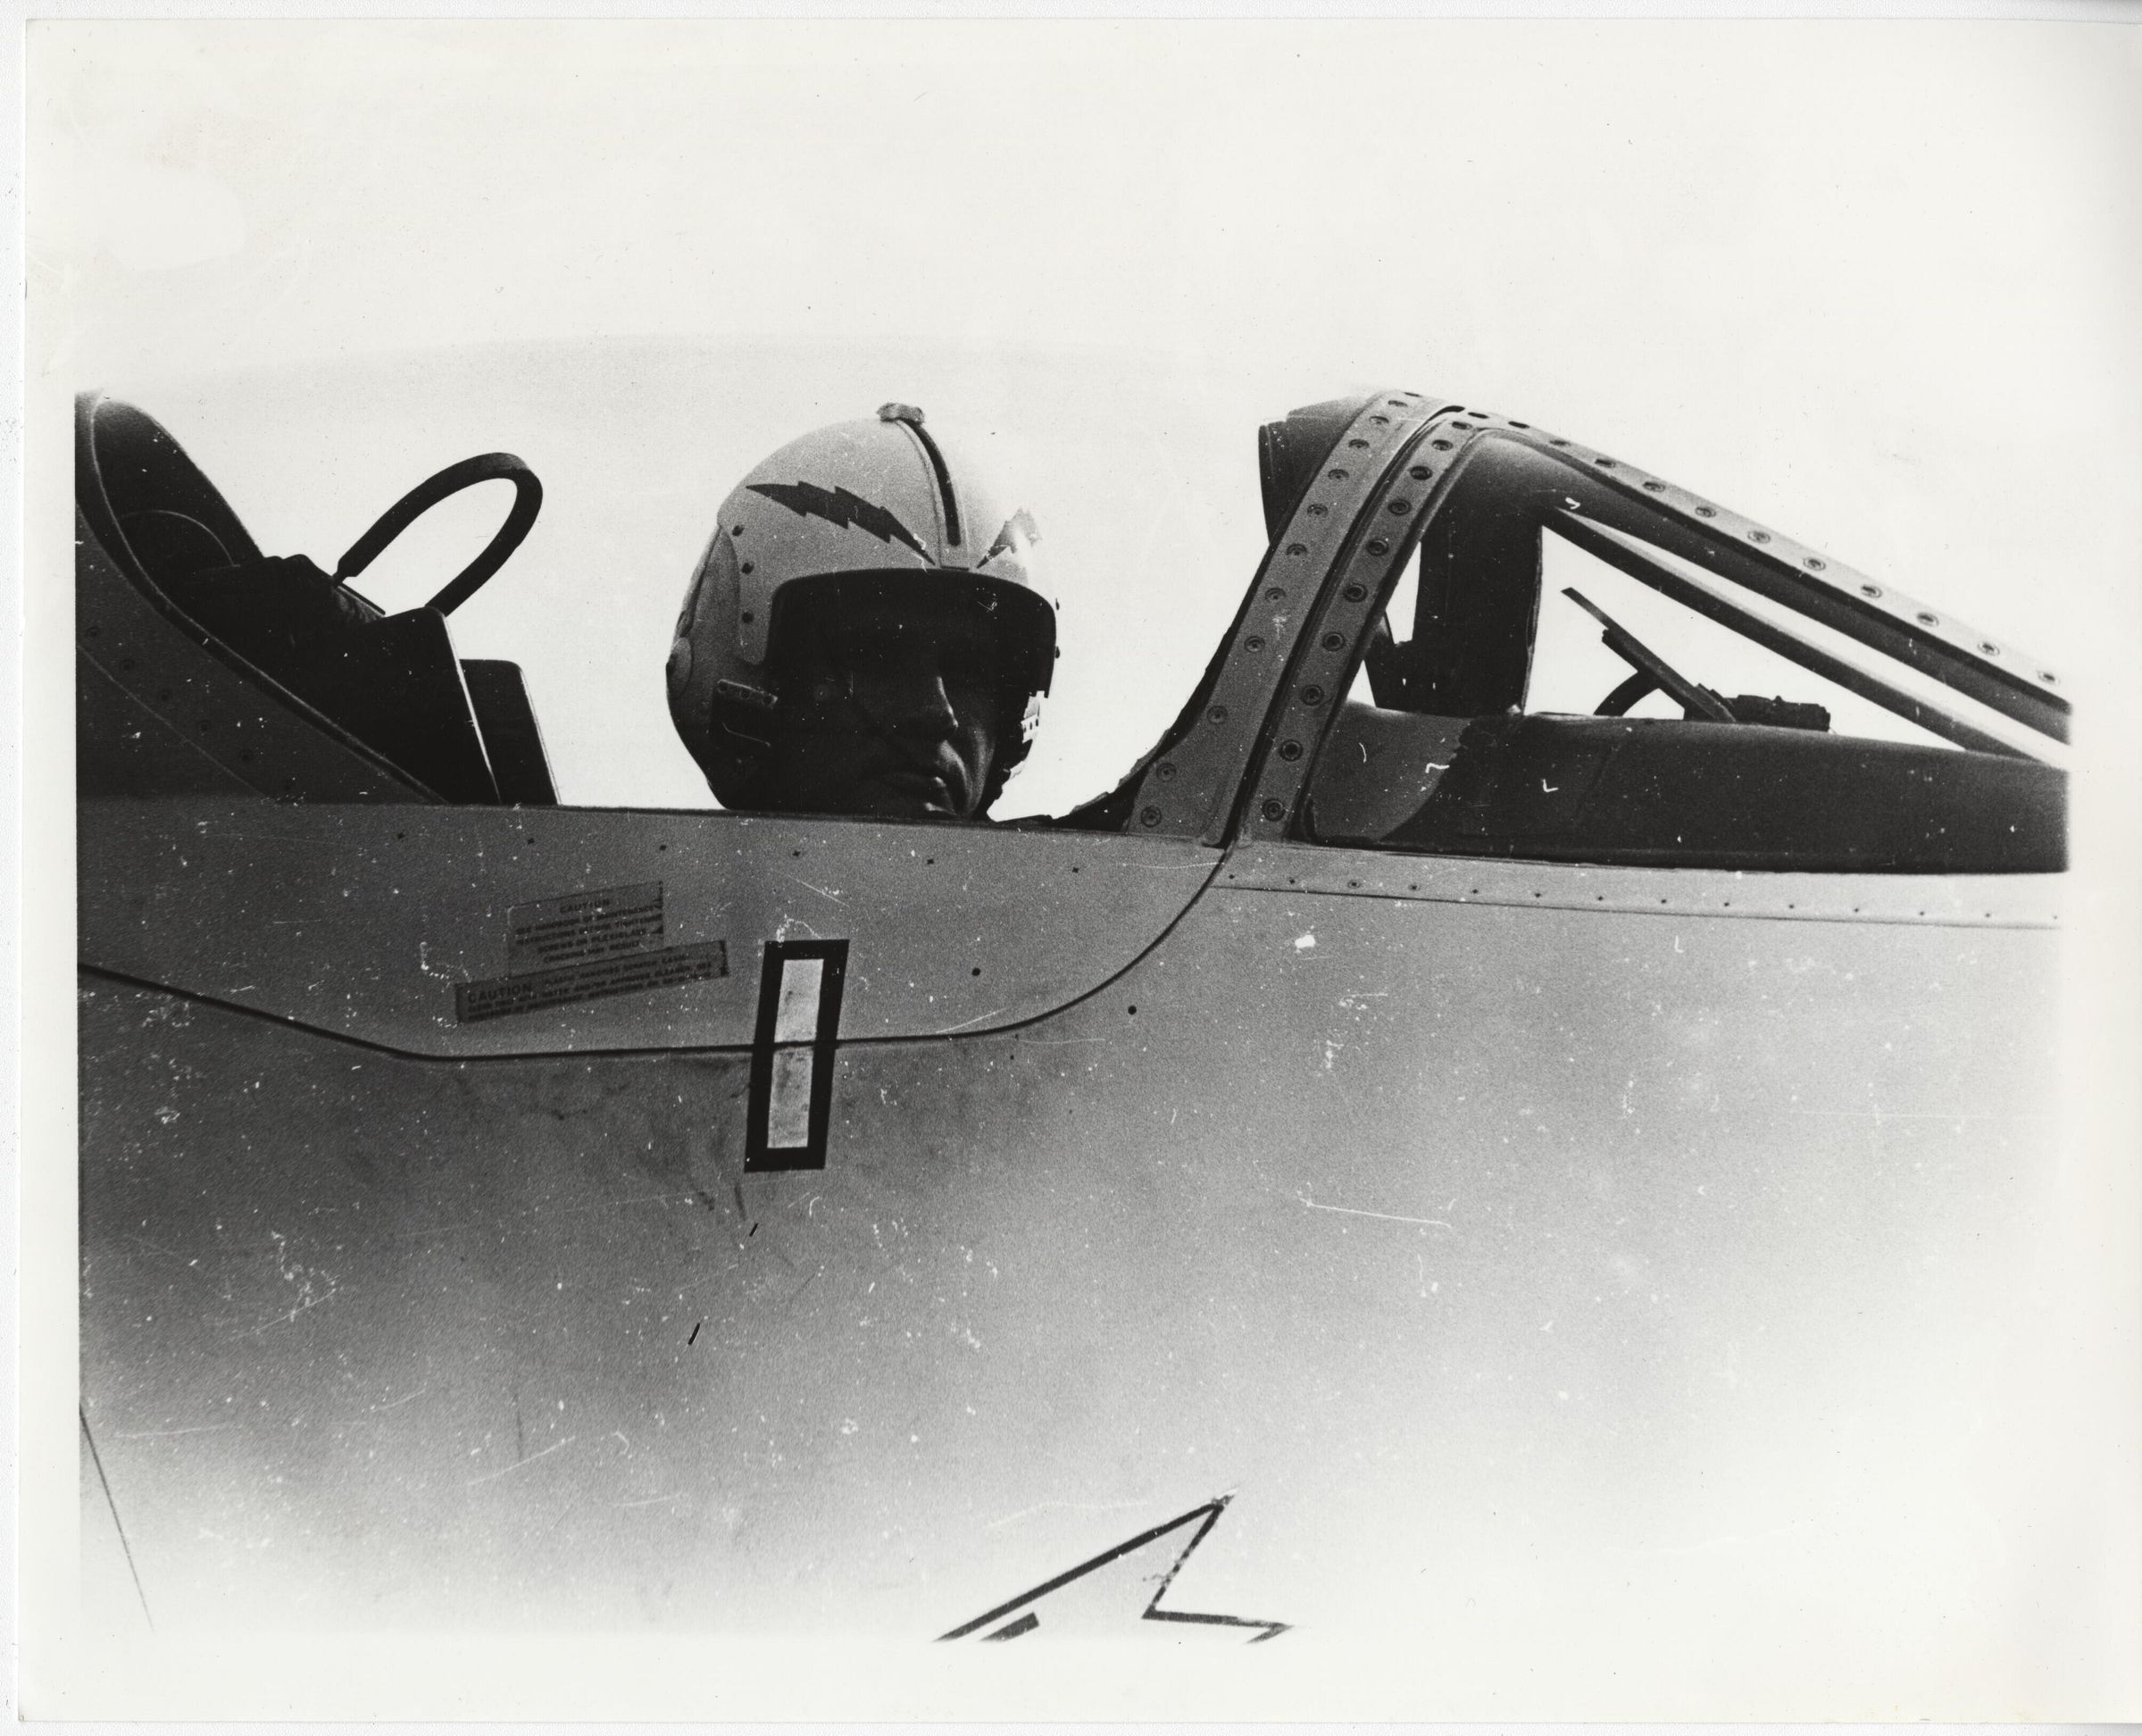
[990, 634]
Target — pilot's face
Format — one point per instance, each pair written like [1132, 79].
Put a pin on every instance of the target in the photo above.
[893, 712]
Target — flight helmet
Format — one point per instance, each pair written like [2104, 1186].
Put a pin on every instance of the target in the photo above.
[879, 508]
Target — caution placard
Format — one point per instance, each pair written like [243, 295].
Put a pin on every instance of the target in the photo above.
[547, 933]
[591, 979]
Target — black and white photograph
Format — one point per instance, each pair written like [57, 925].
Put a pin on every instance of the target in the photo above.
[1287, 864]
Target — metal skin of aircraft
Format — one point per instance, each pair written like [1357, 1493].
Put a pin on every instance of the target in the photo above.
[1514, 1182]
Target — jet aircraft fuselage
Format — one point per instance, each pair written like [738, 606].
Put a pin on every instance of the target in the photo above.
[1405, 1163]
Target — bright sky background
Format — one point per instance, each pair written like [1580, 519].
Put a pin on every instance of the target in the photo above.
[1873, 285]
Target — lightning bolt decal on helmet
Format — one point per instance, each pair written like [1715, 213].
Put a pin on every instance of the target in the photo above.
[879, 500]
[839, 506]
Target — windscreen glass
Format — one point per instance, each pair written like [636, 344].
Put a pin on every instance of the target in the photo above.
[1552, 642]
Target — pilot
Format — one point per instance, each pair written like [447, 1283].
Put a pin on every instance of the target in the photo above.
[863, 634]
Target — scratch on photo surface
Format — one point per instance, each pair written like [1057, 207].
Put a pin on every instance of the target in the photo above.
[96, 1459]
[160, 1434]
[1388, 1217]
[549, 1211]
[823, 892]
[1066, 1507]
[994, 1011]
[273, 837]
[449, 972]
[491, 1476]
[296, 1272]
[1876, 1112]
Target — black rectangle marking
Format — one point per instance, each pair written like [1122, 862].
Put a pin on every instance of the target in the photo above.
[578, 926]
[591, 979]
[769, 1047]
